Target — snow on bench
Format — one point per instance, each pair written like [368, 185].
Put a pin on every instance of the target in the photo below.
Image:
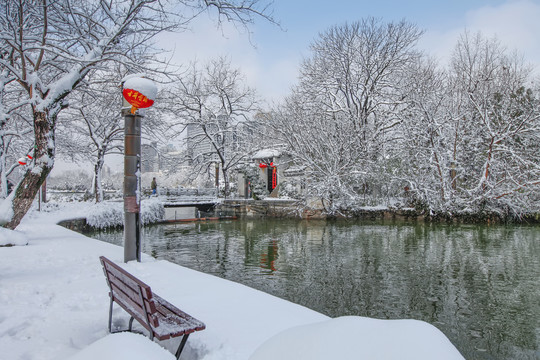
[162, 319]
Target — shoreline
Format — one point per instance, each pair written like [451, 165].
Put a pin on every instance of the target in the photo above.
[283, 208]
[286, 209]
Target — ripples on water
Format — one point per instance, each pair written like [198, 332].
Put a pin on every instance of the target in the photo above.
[479, 284]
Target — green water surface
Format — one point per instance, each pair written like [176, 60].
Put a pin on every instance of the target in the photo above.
[480, 285]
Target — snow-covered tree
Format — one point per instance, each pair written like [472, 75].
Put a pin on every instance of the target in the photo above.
[342, 116]
[471, 133]
[216, 108]
[326, 147]
[48, 48]
[94, 127]
[426, 151]
[15, 127]
[498, 158]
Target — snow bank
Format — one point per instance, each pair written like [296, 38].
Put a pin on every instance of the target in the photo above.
[12, 237]
[54, 305]
[98, 215]
[123, 346]
[354, 337]
[6, 208]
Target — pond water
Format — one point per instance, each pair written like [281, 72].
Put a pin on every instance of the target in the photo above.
[480, 285]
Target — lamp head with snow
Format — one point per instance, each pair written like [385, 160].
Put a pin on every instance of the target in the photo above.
[139, 93]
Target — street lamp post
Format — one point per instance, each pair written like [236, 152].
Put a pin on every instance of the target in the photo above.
[132, 187]
[138, 93]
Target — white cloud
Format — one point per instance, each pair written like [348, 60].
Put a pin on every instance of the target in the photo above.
[515, 23]
[271, 76]
[204, 41]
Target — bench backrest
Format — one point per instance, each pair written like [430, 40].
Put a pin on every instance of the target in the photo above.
[131, 294]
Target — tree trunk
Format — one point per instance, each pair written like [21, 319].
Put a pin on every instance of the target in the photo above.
[438, 165]
[98, 193]
[37, 172]
[98, 170]
[3, 175]
[487, 166]
[225, 181]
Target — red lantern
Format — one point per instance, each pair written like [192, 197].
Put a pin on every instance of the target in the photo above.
[24, 161]
[139, 93]
[263, 165]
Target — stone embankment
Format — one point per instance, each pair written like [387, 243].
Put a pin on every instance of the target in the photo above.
[78, 225]
[280, 208]
[292, 209]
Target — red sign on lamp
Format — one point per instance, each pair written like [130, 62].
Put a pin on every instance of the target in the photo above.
[136, 100]
[139, 93]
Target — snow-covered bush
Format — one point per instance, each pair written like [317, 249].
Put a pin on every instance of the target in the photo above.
[289, 190]
[106, 214]
[72, 180]
[258, 187]
[111, 214]
[152, 211]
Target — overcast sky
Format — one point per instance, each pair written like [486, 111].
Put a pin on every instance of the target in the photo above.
[270, 62]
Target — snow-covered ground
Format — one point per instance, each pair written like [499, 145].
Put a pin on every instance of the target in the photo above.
[54, 305]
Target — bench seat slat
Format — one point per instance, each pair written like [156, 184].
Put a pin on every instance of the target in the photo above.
[174, 322]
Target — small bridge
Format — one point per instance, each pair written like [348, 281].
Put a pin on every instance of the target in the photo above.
[190, 206]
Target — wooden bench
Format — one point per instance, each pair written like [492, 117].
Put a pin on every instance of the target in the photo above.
[162, 319]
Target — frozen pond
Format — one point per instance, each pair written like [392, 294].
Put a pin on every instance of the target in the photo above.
[479, 284]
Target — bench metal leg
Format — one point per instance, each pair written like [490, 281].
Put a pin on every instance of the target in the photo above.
[110, 316]
[181, 346]
[130, 327]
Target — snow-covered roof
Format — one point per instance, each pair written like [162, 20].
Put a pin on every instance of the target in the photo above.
[266, 153]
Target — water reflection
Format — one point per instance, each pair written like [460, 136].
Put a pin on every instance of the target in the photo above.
[480, 285]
